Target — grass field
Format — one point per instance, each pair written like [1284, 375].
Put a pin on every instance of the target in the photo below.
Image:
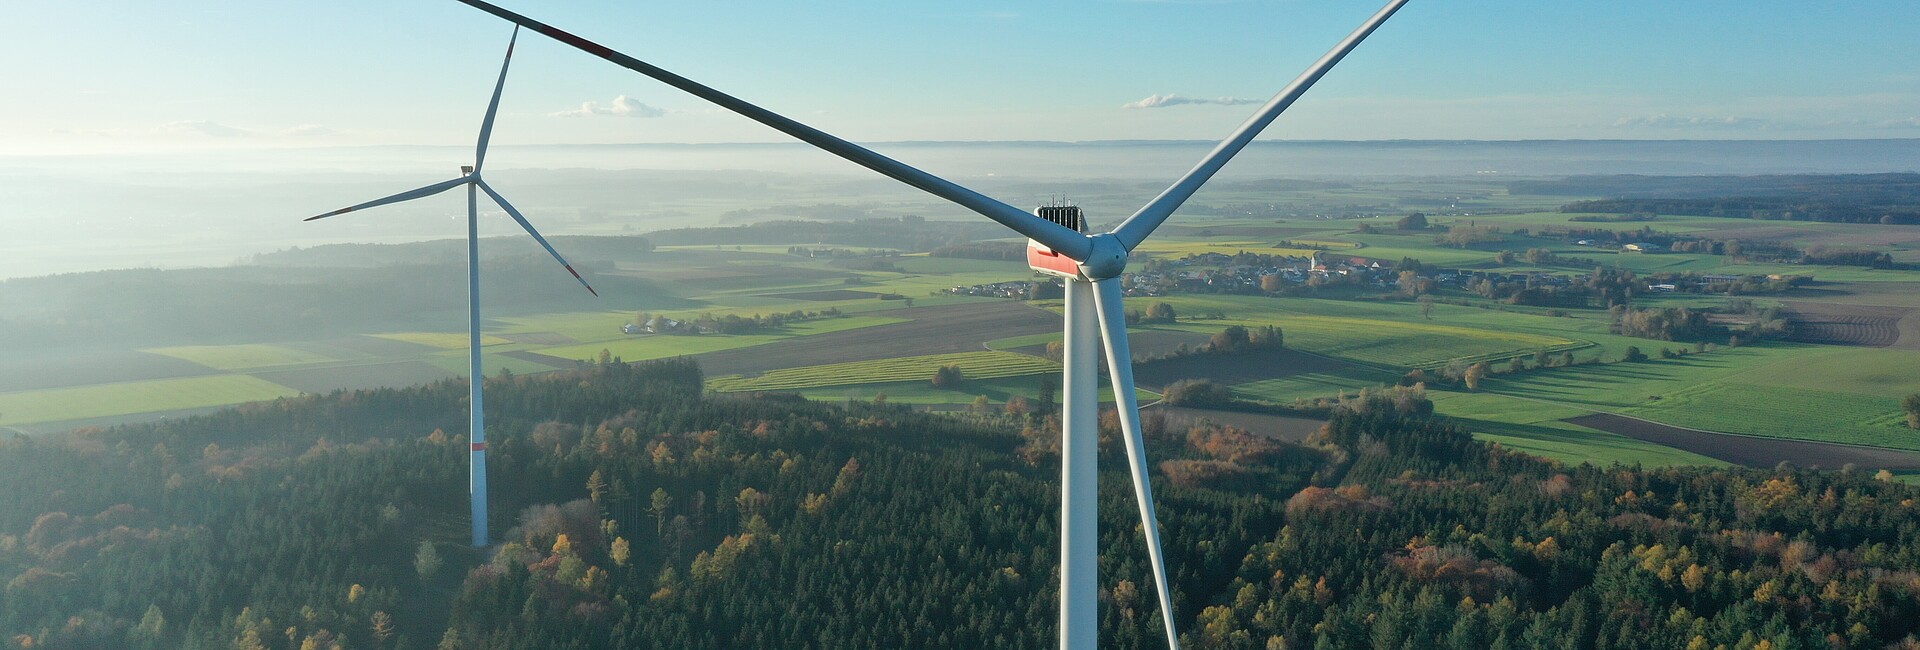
[105, 400]
[1391, 334]
[660, 346]
[1760, 390]
[245, 356]
[1800, 413]
[922, 392]
[980, 365]
[1312, 385]
[1535, 428]
[1882, 372]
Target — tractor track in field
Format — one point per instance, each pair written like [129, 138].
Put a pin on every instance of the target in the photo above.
[1876, 326]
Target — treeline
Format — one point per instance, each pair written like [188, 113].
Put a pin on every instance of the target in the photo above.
[651, 515]
[1683, 324]
[1757, 208]
[1854, 198]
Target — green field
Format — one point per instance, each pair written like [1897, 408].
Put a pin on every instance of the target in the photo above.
[975, 365]
[1799, 413]
[1535, 428]
[1314, 384]
[1718, 391]
[922, 392]
[103, 400]
[660, 346]
[1390, 334]
[246, 356]
[1803, 391]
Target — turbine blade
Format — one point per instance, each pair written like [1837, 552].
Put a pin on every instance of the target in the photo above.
[1136, 228]
[408, 195]
[1059, 238]
[536, 234]
[493, 106]
[1113, 331]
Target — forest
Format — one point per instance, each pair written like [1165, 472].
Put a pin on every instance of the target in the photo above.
[635, 511]
[1848, 198]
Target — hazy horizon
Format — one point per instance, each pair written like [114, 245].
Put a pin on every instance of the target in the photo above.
[214, 207]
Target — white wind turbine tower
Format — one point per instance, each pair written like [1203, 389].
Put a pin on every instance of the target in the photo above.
[470, 177]
[1091, 263]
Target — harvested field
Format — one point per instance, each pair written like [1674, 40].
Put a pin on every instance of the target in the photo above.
[545, 359]
[88, 368]
[933, 330]
[824, 296]
[1834, 324]
[1280, 427]
[397, 374]
[540, 338]
[1233, 368]
[1748, 450]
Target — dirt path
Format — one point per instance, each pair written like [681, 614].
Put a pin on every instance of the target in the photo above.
[1751, 451]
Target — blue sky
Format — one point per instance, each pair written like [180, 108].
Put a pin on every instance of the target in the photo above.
[88, 75]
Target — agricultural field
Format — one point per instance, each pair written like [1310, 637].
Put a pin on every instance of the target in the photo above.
[1839, 379]
[1386, 334]
[159, 395]
[244, 356]
[442, 340]
[981, 365]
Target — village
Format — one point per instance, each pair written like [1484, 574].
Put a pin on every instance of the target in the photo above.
[1256, 273]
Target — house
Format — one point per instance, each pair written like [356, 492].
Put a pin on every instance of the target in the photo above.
[629, 328]
[1662, 288]
[662, 324]
[1640, 248]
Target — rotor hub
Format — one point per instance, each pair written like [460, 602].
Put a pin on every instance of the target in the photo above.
[1106, 259]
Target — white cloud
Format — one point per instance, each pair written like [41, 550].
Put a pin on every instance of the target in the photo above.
[621, 106]
[204, 127]
[1170, 99]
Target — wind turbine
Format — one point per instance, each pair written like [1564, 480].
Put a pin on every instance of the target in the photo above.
[1092, 265]
[470, 177]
